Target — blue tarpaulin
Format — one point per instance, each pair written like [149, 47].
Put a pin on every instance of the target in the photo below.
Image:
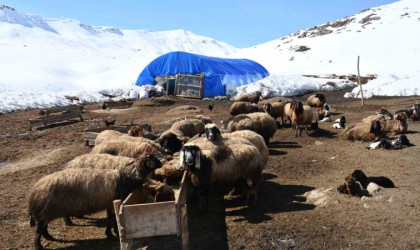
[218, 72]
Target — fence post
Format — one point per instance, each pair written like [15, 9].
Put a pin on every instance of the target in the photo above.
[360, 84]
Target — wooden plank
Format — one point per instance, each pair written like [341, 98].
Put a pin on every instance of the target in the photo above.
[146, 220]
[185, 235]
[53, 118]
[61, 109]
[138, 196]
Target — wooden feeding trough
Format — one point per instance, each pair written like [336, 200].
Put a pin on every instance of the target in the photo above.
[115, 104]
[137, 219]
[57, 115]
[89, 135]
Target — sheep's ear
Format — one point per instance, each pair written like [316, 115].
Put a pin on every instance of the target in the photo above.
[197, 160]
[181, 158]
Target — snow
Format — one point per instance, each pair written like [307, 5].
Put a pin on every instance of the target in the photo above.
[44, 59]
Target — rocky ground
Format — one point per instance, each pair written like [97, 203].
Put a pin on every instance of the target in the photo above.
[298, 206]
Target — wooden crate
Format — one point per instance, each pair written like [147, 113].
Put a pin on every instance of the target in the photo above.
[89, 135]
[57, 114]
[137, 219]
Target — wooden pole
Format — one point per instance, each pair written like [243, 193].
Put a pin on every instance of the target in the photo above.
[360, 84]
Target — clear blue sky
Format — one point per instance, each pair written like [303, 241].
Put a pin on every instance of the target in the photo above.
[241, 23]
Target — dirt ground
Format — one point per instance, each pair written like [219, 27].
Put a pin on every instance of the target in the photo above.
[297, 208]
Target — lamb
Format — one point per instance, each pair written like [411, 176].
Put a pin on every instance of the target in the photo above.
[261, 123]
[362, 132]
[382, 181]
[128, 149]
[252, 98]
[397, 126]
[340, 123]
[213, 134]
[318, 100]
[226, 163]
[275, 109]
[243, 108]
[180, 132]
[301, 116]
[384, 114]
[91, 190]
[400, 143]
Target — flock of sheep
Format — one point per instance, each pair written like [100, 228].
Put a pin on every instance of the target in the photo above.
[235, 153]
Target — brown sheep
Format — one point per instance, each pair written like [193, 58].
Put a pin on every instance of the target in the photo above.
[362, 132]
[275, 109]
[112, 135]
[318, 100]
[91, 190]
[397, 126]
[238, 108]
[304, 120]
[252, 98]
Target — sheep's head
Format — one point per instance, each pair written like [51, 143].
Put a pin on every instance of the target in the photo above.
[401, 116]
[148, 163]
[136, 131]
[190, 157]
[359, 176]
[171, 142]
[212, 132]
[297, 108]
[343, 121]
[375, 128]
[267, 108]
[321, 97]
[404, 140]
[258, 95]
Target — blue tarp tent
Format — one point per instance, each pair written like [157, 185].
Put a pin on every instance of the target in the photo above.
[218, 72]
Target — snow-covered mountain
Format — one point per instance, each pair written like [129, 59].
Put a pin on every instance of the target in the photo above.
[387, 39]
[44, 59]
[41, 53]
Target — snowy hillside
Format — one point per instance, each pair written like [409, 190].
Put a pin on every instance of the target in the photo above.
[41, 54]
[42, 60]
[386, 38]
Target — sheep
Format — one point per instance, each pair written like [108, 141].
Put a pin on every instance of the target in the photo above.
[340, 123]
[128, 149]
[213, 134]
[382, 181]
[384, 114]
[318, 100]
[91, 190]
[352, 187]
[288, 112]
[179, 133]
[243, 108]
[262, 123]
[143, 164]
[112, 135]
[252, 98]
[124, 164]
[170, 172]
[160, 191]
[301, 116]
[362, 132]
[415, 112]
[226, 163]
[275, 109]
[397, 126]
[400, 143]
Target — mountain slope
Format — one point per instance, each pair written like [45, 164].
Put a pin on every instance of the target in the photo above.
[386, 38]
[39, 53]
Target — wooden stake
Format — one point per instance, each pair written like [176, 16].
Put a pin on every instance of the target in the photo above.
[360, 84]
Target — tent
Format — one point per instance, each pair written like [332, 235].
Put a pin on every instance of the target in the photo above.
[192, 75]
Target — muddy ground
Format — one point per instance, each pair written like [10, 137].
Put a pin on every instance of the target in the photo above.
[284, 216]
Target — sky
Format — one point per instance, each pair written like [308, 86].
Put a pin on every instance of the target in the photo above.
[240, 23]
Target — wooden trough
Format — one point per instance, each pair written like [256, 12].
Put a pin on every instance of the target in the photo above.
[89, 135]
[115, 104]
[137, 219]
